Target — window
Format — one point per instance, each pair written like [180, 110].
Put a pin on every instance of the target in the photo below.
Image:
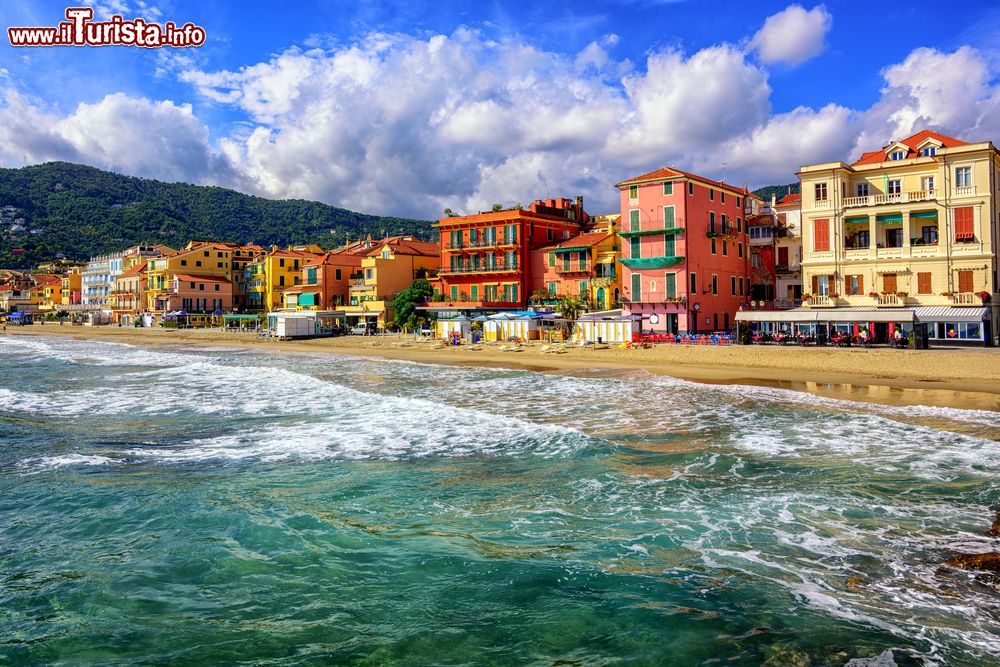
[636, 287]
[895, 186]
[548, 233]
[552, 260]
[668, 217]
[713, 245]
[739, 250]
[964, 230]
[652, 286]
[386, 254]
[928, 151]
[454, 292]
[201, 287]
[337, 274]
[669, 246]
[694, 283]
[924, 283]
[755, 261]
[739, 225]
[715, 284]
[821, 194]
[633, 192]
[889, 283]
[582, 260]
[281, 280]
[821, 285]
[633, 220]
[897, 155]
[821, 234]
[711, 221]
[206, 253]
[963, 177]
[670, 285]
[929, 234]
[854, 285]
[927, 184]
[894, 238]
[725, 224]
[740, 281]
[862, 189]
[732, 285]
[964, 330]
[722, 197]
[690, 188]
[474, 293]
[965, 283]
[565, 261]
[737, 202]
[281, 262]
[219, 264]
[711, 194]
[633, 248]
[216, 287]
[552, 288]
[192, 285]
[197, 263]
[184, 262]
[668, 188]
[725, 248]
[369, 274]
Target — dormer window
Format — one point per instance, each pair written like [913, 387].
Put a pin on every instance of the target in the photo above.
[897, 155]
[929, 151]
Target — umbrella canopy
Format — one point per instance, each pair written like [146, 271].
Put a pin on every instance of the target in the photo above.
[217, 312]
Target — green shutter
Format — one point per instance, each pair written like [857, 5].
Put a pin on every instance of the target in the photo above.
[474, 292]
[454, 292]
[636, 287]
[633, 221]
[668, 217]
[552, 260]
[552, 289]
[668, 245]
[670, 284]
[633, 248]
[668, 188]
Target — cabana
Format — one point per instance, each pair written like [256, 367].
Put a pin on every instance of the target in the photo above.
[305, 323]
[609, 326]
[240, 323]
[453, 326]
[520, 325]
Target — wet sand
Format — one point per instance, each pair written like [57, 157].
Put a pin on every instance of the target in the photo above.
[963, 378]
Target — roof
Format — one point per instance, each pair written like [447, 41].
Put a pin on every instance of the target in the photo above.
[334, 259]
[134, 271]
[189, 277]
[47, 279]
[587, 240]
[760, 220]
[911, 143]
[666, 173]
[400, 245]
[790, 200]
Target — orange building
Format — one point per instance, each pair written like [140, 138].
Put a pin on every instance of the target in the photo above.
[324, 282]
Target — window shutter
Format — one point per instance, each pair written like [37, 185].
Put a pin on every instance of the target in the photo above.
[889, 282]
[815, 289]
[924, 283]
[965, 281]
[668, 217]
[821, 234]
[861, 283]
[963, 224]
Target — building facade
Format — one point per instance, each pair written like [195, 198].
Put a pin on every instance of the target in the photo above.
[684, 251]
[582, 267]
[270, 273]
[484, 258]
[389, 267]
[324, 282]
[912, 225]
[788, 251]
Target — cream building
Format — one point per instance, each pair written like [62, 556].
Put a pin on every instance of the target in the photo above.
[911, 226]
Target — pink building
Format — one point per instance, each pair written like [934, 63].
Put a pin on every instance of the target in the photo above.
[684, 251]
[199, 294]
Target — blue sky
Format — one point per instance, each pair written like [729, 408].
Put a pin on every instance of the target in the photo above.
[405, 108]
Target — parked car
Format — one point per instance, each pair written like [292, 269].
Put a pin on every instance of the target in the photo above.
[363, 329]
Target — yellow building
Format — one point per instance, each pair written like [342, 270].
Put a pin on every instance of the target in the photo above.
[389, 266]
[272, 272]
[197, 258]
[70, 286]
[47, 291]
[911, 226]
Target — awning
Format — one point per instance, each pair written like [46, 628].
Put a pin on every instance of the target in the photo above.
[651, 262]
[856, 219]
[889, 219]
[950, 314]
[826, 315]
[924, 214]
[775, 316]
[650, 232]
[572, 249]
[307, 299]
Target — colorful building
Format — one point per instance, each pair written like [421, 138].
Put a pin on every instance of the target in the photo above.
[270, 273]
[484, 258]
[912, 226]
[130, 292]
[324, 282]
[389, 267]
[788, 251]
[70, 286]
[210, 264]
[47, 289]
[684, 251]
[762, 230]
[583, 267]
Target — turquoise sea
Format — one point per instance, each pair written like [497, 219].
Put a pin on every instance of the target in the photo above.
[230, 506]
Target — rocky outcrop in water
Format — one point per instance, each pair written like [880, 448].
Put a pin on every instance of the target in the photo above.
[988, 562]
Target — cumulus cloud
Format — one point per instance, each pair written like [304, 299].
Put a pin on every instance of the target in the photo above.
[793, 35]
[408, 125]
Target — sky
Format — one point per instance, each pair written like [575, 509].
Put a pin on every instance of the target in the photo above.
[407, 108]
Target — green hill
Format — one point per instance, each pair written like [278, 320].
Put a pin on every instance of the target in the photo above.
[78, 211]
[778, 190]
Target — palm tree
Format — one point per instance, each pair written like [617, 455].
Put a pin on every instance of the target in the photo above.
[497, 208]
[569, 307]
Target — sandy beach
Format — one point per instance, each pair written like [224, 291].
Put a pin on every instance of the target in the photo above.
[966, 378]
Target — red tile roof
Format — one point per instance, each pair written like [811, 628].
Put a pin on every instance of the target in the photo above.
[789, 200]
[47, 279]
[191, 278]
[664, 173]
[588, 240]
[135, 270]
[335, 259]
[911, 143]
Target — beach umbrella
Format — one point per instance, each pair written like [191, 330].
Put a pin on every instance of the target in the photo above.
[217, 312]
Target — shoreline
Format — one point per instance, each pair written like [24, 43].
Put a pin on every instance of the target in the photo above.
[957, 378]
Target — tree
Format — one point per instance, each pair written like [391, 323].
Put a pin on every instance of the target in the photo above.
[569, 307]
[497, 208]
[404, 304]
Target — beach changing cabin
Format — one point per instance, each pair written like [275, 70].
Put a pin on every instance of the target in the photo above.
[610, 326]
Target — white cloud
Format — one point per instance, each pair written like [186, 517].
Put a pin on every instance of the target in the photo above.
[793, 35]
[406, 125]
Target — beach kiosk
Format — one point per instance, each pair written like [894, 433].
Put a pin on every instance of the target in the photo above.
[305, 323]
[520, 325]
[609, 326]
[453, 327]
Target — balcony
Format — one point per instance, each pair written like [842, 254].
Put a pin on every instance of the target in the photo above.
[575, 267]
[786, 304]
[966, 299]
[965, 191]
[890, 301]
[822, 204]
[894, 198]
[819, 301]
[500, 268]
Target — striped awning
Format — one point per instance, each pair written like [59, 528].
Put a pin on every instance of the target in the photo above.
[856, 219]
[889, 219]
[951, 314]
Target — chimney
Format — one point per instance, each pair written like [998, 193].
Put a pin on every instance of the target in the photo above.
[579, 202]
